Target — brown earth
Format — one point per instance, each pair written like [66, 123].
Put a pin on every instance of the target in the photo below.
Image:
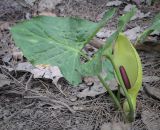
[37, 104]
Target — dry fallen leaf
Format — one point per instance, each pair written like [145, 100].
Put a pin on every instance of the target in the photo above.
[25, 66]
[49, 72]
[96, 89]
[41, 71]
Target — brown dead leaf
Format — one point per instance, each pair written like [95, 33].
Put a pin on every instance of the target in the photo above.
[96, 89]
[41, 71]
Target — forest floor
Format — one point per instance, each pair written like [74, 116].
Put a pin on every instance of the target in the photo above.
[28, 103]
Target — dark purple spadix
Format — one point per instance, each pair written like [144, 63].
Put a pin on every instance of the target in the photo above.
[125, 77]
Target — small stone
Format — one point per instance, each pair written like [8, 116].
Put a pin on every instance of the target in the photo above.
[73, 99]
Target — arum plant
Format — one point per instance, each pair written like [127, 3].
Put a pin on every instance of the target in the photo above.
[59, 41]
[128, 70]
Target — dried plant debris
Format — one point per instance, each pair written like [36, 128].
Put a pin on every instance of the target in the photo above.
[96, 88]
[40, 71]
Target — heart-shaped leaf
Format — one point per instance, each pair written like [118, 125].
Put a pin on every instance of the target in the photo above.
[57, 41]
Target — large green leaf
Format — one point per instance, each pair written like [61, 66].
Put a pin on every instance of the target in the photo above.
[57, 41]
[94, 66]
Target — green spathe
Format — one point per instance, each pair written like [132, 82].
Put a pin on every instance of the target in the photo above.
[126, 55]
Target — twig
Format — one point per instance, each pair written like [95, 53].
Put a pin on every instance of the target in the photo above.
[15, 80]
[41, 97]
[46, 99]
[58, 86]
[29, 80]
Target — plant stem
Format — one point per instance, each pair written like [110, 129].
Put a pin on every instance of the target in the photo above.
[118, 93]
[131, 113]
[110, 93]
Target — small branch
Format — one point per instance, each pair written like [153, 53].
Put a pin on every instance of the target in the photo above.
[28, 82]
[46, 99]
[118, 93]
